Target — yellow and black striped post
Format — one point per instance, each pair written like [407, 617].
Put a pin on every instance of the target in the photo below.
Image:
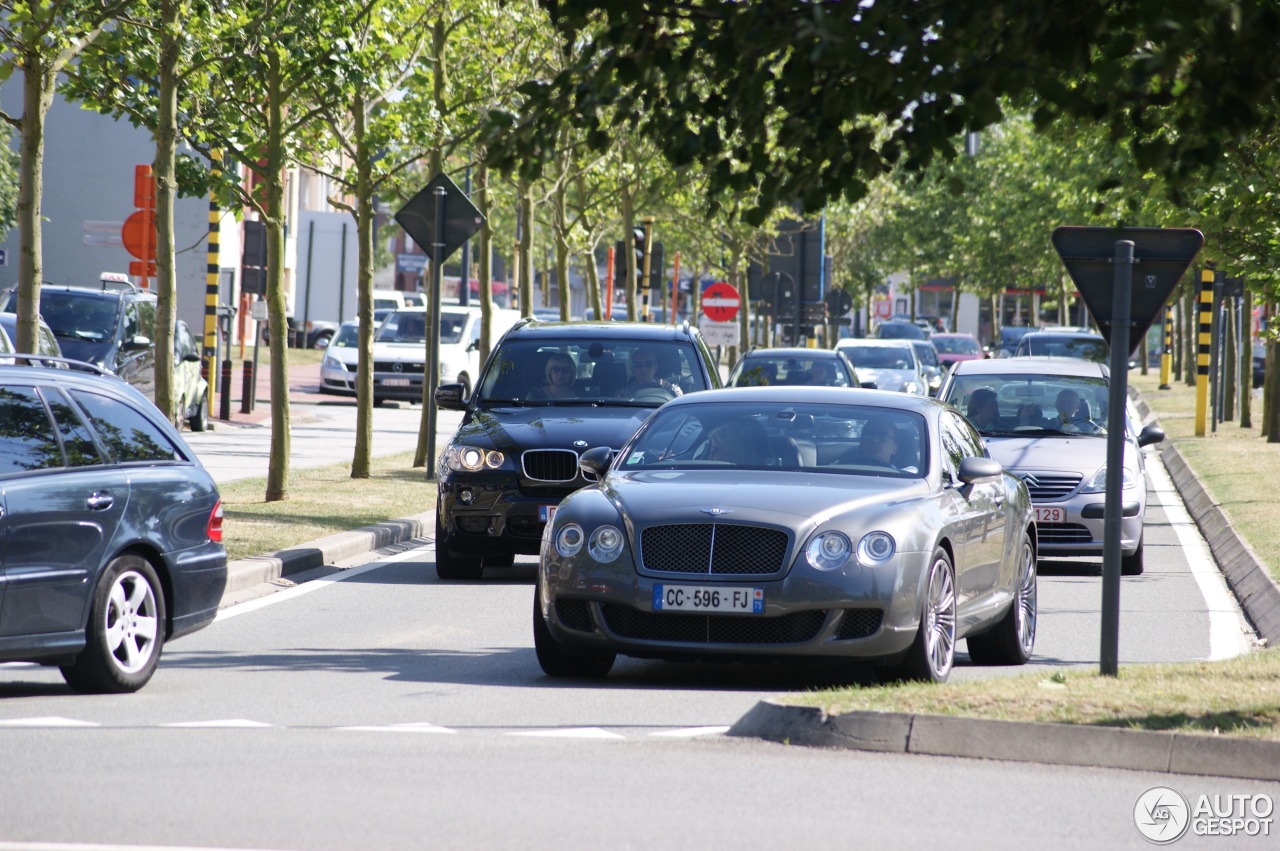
[209, 365]
[1204, 345]
[1166, 351]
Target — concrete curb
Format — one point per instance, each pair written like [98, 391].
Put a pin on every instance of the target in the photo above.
[247, 572]
[1258, 593]
[1015, 741]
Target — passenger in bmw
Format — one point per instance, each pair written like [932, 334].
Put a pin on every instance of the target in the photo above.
[560, 374]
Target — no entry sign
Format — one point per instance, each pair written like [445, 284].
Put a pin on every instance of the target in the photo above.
[720, 302]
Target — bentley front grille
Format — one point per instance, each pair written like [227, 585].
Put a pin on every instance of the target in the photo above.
[859, 623]
[550, 465]
[795, 628]
[720, 549]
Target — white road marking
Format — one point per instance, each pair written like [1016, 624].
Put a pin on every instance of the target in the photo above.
[412, 727]
[98, 846]
[47, 721]
[691, 732]
[313, 585]
[1227, 628]
[571, 733]
[222, 723]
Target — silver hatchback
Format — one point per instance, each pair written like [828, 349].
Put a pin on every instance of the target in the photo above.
[1044, 420]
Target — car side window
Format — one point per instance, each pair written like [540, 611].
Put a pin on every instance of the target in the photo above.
[127, 434]
[28, 440]
[959, 441]
[77, 439]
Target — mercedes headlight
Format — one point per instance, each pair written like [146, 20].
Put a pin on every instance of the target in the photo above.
[1098, 484]
[876, 548]
[829, 551]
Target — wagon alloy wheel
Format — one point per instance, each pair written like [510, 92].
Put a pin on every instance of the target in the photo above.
[125, 633]
[933, 652]
[1011, 641]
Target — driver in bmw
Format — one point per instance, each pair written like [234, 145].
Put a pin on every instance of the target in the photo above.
[644, 374]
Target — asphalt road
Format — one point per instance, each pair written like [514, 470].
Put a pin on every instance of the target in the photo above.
[372, 706]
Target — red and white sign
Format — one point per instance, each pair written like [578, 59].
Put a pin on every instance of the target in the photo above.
[720, 302]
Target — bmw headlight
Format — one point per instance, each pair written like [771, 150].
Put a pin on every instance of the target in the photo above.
[829, 551]
[605, 544]
[569, 539]
[876, 548]
[1098, 484]
[472, 458]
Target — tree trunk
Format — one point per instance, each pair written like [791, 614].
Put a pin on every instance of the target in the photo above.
[38, 83]
[163, 170]
[1246, 362]
[278, 465]
[362, 455]
[484, 265]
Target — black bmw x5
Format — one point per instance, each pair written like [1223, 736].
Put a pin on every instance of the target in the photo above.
[549, 392]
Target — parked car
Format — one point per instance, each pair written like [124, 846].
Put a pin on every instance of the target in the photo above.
[953, 348]
[515, 455]
[46, 340]
[891, 364]
[930, 366]
[190, 388]
[341, 359]
[1259, 363]
[112, 529]
[717, 532]
[1060, 451]
[6, 345]
[1009, 337]
[111, 326]
[896, 329]
[399, 350]
[762, 367]
[1082, 345]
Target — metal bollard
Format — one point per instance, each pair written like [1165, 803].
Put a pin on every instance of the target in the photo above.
[246, 389]
[224, 402]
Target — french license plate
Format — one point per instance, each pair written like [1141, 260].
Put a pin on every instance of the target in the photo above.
[1050, 514]
[395, 382]
[546, 512]
[696, 598]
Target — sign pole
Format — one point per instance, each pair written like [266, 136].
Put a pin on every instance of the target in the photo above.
[1117, 399]
[432, 376]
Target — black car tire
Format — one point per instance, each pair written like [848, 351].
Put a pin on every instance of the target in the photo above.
[932, 654]
[558, 662]
[1011, 641]
[1131, 565]
[125, 633]
[199, 421]
[450, 566]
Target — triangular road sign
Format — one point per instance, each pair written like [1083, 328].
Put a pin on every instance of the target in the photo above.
[1160, 257]
[461, 217]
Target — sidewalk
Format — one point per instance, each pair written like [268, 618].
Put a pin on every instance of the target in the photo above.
[303, 379]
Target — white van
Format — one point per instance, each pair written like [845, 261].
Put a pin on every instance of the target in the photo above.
[399, 349]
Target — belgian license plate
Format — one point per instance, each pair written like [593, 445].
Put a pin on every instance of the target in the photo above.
[696, 598]
[395, 382]
[1050, 514]
[546, 512]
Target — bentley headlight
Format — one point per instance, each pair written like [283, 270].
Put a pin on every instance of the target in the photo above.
[829, 551]
[605, 544]
[876, 548]
[473, 458]
[569, 540]
[1098, 484]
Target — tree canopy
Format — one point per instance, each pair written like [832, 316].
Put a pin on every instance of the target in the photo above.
[788, 97]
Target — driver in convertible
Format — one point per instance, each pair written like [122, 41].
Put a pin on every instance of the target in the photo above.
[644, 374]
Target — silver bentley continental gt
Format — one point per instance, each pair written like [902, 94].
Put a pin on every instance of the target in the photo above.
[757, 522]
